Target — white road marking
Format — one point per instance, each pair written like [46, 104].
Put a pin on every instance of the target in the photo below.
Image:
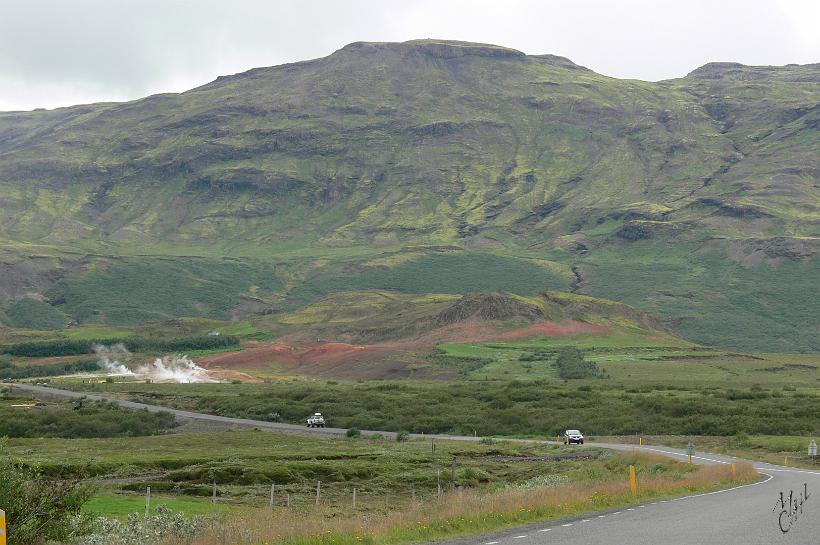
[565, 525]
[617, 512]
[519, 537]
[641, 507]
[545, 529]
[491, 543]
[585, 520]
[601, 516]
[630, 509]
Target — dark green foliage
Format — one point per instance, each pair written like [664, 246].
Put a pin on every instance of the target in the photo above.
[715, 300]
[70, 347]
[353, 432]
[440, 273]
[40, 510]
[499, 408]
[9, 371]
[28, 313]
[572, 365]
[129, 291]
[80, 420]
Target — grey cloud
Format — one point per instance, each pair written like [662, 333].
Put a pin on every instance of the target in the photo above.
[56, 53]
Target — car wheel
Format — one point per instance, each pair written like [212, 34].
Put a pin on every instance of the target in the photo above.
[582, 441]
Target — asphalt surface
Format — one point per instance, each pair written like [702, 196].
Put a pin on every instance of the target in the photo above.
[744, 515]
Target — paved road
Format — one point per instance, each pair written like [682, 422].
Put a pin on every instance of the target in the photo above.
[739, 516]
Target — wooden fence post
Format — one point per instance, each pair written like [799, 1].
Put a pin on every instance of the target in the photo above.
[318, 491]
[147, 501]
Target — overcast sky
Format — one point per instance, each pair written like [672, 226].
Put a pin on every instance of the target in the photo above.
[63, 52]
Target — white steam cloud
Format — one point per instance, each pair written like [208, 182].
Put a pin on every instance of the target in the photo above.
[174, 369]
[177, 368]
[110, 357]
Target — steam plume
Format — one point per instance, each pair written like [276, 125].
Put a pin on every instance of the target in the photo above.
[110, 356]
[177, 368]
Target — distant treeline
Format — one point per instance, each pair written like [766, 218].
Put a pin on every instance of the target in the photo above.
[71, 347]
[10, 371]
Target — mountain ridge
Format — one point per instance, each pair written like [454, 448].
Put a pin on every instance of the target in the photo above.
[338, 163]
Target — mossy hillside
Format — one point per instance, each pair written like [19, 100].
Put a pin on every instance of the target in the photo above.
[134, 290]
[321, 168]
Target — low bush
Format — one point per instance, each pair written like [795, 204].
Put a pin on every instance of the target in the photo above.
[40, 510]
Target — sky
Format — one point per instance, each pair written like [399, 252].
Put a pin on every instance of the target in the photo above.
[61, 52]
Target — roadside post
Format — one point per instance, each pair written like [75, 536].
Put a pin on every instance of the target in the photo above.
[690, 450]
[734, 471]
[2, 527]
[813, 451]
[633, 480]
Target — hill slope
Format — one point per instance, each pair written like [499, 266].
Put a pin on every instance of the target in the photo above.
[427, 166]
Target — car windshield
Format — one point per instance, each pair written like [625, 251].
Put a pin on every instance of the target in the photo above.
[573, 432]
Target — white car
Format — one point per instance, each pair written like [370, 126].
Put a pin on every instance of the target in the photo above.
[316, 420]
[573, 436]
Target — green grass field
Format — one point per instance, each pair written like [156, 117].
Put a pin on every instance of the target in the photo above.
[121, 504]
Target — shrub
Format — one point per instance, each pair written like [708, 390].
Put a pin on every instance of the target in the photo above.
[163, 526]
[40, 510]
[353, 432]
[402, 436]
[572, 365]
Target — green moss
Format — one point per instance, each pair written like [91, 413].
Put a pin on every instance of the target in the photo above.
[28, 313]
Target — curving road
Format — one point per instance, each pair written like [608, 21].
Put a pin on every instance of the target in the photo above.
[744, 515]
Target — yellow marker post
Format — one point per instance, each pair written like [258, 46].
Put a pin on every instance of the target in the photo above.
[786, 461]
[640, 440]
[633, 480]
[734, 471]
[2, 527]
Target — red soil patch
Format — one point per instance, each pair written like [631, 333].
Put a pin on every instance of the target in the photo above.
[383, 360]
[258, 358]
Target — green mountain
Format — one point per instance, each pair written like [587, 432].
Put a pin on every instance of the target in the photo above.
[427, 167]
